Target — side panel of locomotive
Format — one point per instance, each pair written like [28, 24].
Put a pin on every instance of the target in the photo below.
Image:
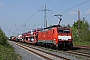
[48, 37]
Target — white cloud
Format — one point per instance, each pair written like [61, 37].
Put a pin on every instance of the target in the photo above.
[73, 12]
[88, 12]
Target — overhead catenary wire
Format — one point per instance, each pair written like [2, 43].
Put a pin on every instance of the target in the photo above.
[57, 7]
[34, 14]
[75, 6]
[41, 7]
[71, 8]
[30, 10]
[38, 9]
[63, 3]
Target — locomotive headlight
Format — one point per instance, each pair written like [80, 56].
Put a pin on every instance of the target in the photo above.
[54, 39]
[69, 39]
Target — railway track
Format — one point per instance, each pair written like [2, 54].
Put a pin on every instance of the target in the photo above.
[85, 53]
[82, 51]
[79, 53]
[83, 47]
[41, 53]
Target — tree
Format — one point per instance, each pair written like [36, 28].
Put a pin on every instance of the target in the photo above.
[83, 32]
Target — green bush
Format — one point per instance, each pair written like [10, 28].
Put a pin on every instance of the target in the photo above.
[8, 53]
[6, 50]
[3, 40]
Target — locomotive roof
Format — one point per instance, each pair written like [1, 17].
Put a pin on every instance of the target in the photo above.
[52, 26]
[63, 28]
[57, 26]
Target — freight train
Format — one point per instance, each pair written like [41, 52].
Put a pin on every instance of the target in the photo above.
[53, 36]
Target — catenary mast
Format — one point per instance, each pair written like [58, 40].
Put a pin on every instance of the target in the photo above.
[45, 17]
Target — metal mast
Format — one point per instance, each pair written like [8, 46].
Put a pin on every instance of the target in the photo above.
[78, 22]
[59, 16]
[45, 17]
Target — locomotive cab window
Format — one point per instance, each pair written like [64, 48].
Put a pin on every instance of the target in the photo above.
[60, 31]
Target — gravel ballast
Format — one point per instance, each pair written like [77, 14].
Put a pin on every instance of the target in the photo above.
[26, 55]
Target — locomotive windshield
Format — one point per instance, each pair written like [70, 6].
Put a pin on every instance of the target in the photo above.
[60, 31]
[63, 31]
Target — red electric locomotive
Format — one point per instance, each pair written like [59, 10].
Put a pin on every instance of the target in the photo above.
[55, 36]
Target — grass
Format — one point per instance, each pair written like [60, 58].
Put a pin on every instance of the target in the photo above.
[81, 43]
[8, 53]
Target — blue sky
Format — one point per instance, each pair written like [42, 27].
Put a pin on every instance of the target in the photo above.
[18, 16]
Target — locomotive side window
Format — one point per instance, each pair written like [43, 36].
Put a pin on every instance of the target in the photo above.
[60, 31]
[53, 31]
[67, 31]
